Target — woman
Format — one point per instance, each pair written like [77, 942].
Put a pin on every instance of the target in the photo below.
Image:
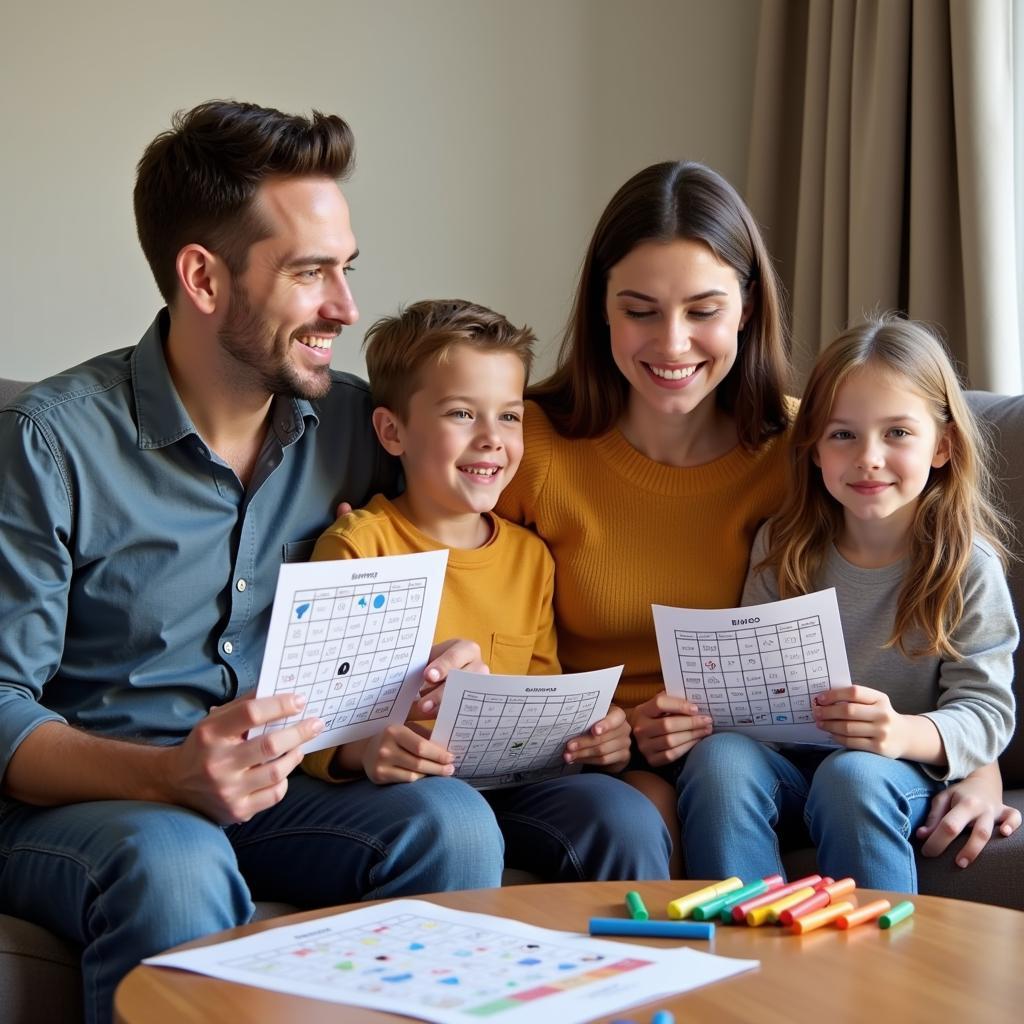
[657, 448]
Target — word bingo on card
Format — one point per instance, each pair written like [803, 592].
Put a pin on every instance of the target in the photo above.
[756, 669]
[353, 637]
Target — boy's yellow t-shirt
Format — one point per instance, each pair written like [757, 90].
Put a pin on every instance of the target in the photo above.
[500, 595]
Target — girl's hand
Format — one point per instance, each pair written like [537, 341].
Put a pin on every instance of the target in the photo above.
[605, 744]
[402, 753]
[864, 719]
[666, 727]
[974, 803]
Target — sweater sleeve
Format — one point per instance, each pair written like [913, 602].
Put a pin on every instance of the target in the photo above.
[975, 708]
[760, 586]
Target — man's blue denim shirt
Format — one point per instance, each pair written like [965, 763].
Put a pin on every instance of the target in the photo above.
[136, 573]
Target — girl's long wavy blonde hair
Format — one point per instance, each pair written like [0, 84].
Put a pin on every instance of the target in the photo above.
[955, 508]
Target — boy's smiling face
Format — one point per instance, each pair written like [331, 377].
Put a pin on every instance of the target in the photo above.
[460, 442]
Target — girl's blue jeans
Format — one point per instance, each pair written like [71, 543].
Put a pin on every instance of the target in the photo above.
[859, 808]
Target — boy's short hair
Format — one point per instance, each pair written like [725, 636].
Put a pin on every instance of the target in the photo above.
[398, 346]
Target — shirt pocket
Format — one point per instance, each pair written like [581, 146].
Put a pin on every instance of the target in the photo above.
[511, 653]
[298, 550]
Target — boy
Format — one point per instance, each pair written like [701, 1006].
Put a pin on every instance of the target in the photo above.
[447, 382]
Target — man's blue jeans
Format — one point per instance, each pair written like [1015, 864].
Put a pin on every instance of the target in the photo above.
[859, 808]
[127, 880]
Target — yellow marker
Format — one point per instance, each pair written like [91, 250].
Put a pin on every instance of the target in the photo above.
[769, 912]
[866, 913]
[683, 906]
[819, 918]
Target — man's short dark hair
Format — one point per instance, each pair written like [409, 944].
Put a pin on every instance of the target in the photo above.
[197, 181]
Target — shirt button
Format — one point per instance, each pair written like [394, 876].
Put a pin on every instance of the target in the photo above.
[228, 647]
[240, 586]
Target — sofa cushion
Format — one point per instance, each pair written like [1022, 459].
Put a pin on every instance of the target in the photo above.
[1002, 416]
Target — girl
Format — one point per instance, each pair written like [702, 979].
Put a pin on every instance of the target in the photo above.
[889, 504]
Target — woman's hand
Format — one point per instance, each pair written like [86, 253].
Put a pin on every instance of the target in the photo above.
[974, 803]
[605, 744]
[666, 727]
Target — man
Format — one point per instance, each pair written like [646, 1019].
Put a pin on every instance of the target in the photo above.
[149, 497]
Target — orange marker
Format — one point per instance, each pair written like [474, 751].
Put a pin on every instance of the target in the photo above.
[834, 889]
[740, 911]
[769, 913]
[866, 913]
[819, 918]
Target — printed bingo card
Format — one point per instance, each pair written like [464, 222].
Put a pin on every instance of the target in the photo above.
[756, 669]
[415, 958]
[353, 636]
[508, 730]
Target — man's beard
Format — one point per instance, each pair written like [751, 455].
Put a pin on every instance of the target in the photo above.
[250, 340]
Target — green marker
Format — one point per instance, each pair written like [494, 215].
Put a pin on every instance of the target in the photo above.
[713, 908]
[635, 906]
[897, 914]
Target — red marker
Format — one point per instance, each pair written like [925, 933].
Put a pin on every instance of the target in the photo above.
[822, 898]
[740, 911]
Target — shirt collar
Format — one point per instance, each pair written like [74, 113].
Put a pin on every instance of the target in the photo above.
[159, 412]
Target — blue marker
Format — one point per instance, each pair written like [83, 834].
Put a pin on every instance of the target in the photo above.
[651, 929]
[663, 1017]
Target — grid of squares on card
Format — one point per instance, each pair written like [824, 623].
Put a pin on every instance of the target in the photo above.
[484, 971]
[498, 733]
[764, 675]
[347, 649]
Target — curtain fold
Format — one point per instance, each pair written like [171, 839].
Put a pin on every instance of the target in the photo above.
[881, 167]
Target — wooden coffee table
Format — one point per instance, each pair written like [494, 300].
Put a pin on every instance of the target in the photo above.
[952, 961]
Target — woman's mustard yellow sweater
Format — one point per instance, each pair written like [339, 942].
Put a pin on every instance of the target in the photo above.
[627, 532]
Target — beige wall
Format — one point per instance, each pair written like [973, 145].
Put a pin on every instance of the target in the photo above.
[490, 134]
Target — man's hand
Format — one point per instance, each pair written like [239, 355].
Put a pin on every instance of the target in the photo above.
[605, 744]
[974, 803]
[666, 727]
[860, 718]
[229, 778]
[403, 753]
[444, 657]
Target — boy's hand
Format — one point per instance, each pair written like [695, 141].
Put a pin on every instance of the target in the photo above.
[605, 744]
[666, 727]
[975, 803]
[445, 657]
[403, 753]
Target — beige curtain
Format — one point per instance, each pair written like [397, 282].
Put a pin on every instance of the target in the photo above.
[882, 169]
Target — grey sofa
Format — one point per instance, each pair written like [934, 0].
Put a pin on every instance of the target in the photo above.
[39, 973]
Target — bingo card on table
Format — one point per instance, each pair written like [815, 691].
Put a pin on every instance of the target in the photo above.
[756, 670]
[353, 636]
